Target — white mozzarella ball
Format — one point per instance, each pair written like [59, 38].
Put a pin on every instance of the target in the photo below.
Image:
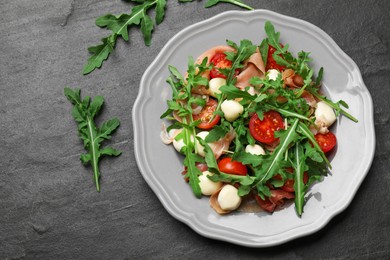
[254, 149]
[231, 109]
[199, 147]
[179, 144]
[215, 84]
[207, 186]
[252, 91]
[272, 74]
[228, 198]
[325, 114]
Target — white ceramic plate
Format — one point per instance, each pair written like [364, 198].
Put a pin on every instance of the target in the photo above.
[161, 165]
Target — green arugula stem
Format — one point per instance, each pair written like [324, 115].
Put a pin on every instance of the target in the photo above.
[240, 4]
[92, 136]
[287, 113]
[334, 106]
[92, 152]
[280, 151]
[298, 183]
[309, 135]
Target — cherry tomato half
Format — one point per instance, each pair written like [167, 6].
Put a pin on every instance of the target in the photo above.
[220, 62]
[271, 63]
[326, 141]
[263, 130]
[207, 114]
[227, 165]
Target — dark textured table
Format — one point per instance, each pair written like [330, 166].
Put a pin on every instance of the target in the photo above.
[49, 208]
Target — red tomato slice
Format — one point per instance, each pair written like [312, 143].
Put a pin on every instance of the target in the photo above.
[271, 63]
[326, 141]
[263, 130]
[207, 114]
[227, 165]
[220, 62]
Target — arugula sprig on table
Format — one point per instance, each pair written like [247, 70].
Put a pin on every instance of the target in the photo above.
[84, 112]
[120, 25]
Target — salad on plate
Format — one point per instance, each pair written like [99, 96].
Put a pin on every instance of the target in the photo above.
[252, 124]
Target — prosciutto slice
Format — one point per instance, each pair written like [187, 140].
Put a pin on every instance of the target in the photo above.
[276, 199]
[222, 144]
[254, 67]
[211, 52]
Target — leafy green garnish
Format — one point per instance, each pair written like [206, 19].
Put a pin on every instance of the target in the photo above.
[120, 25]
[84, 112]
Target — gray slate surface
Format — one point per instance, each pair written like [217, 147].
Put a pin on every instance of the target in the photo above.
[49, 208]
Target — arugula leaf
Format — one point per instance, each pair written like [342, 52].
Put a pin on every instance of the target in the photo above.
[239, 3]
[264, 50]
[305, 131]
[84, 112]
[299, 187]
[244, 51]
[217, 133]
[232, 92]
[286, 138]
[119, 25]
[100, 53]
[192, 171]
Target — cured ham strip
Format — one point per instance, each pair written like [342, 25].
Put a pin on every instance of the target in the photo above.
[256, 60]
[291, 79]
[249, 72]
[310, 99]
[223, 144]
[168, 137]
[276, 199]
[254, 68]
[211, 52]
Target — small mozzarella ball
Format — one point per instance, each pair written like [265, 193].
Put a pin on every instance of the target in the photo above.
[254, 149]
[252, 91]
[324, 113]
[207, 186]
[272, 74]
[199, 147]
[231, 109]
[215, 84]
[228, 198]
[179, 144]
